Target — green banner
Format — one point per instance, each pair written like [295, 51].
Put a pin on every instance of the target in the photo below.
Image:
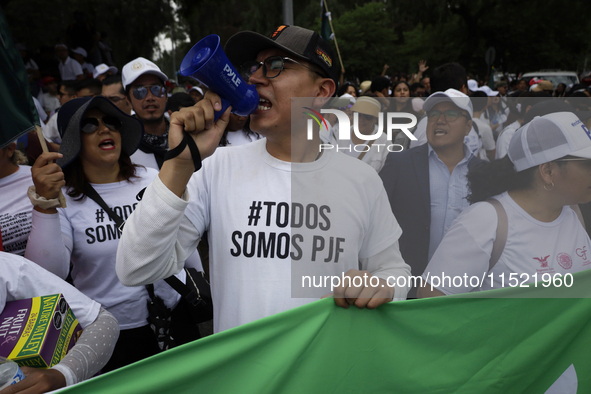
[456, 344]
[18, 114]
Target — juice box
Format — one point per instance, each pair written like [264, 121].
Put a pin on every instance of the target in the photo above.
[38, 332]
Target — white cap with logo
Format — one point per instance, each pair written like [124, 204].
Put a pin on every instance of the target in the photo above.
[138, 67]
[548, 138]
[103, 68]
[456, 97]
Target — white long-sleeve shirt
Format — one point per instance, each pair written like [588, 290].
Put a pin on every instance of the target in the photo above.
[270, 224]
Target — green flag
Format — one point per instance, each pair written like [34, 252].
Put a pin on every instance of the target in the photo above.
[325, 30]
[524, 342]
[18, 114]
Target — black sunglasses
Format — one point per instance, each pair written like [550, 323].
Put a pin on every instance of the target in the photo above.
[272, 67]
[141, 92]
[90, 125]
[450, 115]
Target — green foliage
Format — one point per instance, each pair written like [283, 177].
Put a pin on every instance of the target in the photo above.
[132, 24]
[370, 33]
[365, 37]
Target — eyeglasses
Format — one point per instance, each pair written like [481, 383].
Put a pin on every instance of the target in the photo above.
[450, 115]
[272, 67]
[90, 125]
[115, 99]
[141, 92]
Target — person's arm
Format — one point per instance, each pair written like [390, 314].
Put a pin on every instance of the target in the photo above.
[464, 252]
[46, 245]
[422, 68]
[86, 358]
[386, 67]
[23, 279]
[388, 266]
[198, 122]
[92, 351]
[158, 237]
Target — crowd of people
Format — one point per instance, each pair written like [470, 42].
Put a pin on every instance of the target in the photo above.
[265, 206]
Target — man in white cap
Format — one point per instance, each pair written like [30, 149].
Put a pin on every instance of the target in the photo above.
[143, 82]
[69, 68]
[427, 185]
[79, 54]
[103, 71]
[446, 76]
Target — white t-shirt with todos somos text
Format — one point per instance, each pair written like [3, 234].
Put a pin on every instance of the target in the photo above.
[90, 239]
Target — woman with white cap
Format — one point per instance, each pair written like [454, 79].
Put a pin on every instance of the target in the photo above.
[526, 231]
[97, 142]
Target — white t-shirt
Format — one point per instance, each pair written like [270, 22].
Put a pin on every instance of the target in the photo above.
[144, 159]
[15, 210]
[88, 68]
[533, 247]
[486, 137]
[50, 103]
[40, 112]
[236, 138]
[90, 240]
[505, 139]
[50, 131]
[70, 69]
[325, 215]
[471, 140]
[20, 279]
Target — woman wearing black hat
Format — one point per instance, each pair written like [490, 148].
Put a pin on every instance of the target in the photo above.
[97, 142]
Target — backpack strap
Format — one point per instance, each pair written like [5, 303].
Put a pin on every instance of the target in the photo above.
[501, 235]
[365, 151]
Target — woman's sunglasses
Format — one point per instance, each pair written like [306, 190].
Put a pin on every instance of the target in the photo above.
[90, 125]
[141, 92]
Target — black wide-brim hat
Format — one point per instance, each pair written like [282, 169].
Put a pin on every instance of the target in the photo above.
[301, 43]
[68, 123]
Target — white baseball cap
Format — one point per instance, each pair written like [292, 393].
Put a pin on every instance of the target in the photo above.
[548, 138]
[80, 51]
[138, 67]
[103, 68]
[472, 85]
[456, 97]
[489, 92]
[197, 88]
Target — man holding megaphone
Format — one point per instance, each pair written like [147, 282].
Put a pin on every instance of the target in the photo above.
[280, 216]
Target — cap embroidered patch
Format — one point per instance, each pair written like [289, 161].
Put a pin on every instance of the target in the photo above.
[324, 56]
[137, 66]
[277, 32]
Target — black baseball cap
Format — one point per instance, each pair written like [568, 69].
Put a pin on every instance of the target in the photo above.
[299, 42]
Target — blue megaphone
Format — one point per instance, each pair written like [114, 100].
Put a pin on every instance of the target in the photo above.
[208, 63]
